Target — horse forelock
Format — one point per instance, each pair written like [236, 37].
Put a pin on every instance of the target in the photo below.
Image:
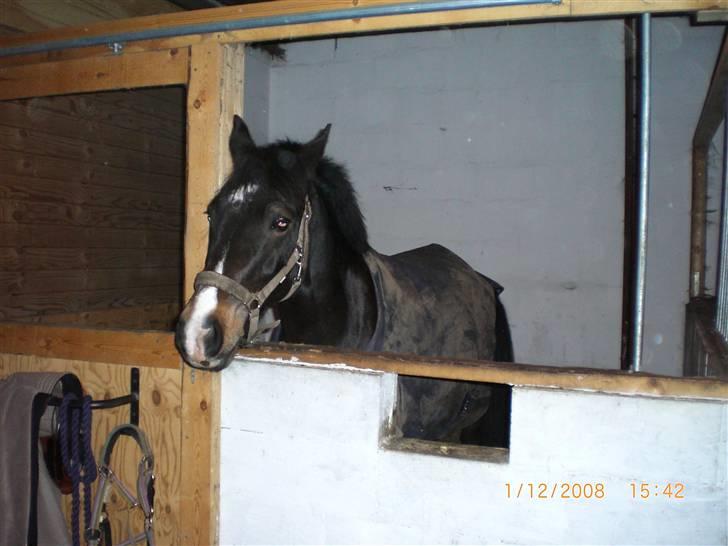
[279, 170]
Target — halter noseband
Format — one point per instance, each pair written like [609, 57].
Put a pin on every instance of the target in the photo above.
[253, 301]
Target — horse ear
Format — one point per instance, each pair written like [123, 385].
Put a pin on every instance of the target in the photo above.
[240, 139]
[313, 150]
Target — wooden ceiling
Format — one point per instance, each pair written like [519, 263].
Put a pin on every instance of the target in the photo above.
[20, 16]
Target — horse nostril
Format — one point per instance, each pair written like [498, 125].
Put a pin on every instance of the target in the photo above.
[213, 338]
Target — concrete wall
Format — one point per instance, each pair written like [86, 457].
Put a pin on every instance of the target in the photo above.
[506, 145]
[300, 464]
[256, 95]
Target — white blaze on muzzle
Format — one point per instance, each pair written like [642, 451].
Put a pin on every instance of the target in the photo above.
[253, 301]
[205, 304]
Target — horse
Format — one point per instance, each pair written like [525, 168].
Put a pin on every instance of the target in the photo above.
[287, 238]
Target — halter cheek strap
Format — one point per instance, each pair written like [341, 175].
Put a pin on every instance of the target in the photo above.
[253, 301]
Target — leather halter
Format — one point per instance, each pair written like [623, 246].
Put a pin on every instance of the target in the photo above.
[144, 498]
[253, 301]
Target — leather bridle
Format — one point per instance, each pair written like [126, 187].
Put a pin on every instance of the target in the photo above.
[253, 301]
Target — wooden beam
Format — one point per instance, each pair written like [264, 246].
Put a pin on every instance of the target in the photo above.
[593, 8]
[215, 93]
[567, 8]
[698, 218]
[147, 69]
[152, 349]
[551, 377]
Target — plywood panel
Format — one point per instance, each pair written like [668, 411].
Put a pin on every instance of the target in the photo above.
[159, 417]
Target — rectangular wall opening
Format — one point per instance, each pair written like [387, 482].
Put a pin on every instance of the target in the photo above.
[419, 429]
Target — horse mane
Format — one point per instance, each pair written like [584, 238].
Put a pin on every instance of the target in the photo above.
[339, 197]
[342, 204]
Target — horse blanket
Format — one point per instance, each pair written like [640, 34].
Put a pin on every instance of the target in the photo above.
[431, 303]
[31, 505]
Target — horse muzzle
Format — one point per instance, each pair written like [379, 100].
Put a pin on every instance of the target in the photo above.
[210, 341]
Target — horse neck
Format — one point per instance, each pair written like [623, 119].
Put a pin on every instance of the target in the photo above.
[336, 303]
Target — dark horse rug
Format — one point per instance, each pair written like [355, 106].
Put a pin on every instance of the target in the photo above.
[431, 303]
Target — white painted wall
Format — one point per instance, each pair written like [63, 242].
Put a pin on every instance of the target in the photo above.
[256, 96]
[506, 145]
[300, 464]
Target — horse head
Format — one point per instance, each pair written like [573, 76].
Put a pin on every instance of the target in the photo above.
[257, 248]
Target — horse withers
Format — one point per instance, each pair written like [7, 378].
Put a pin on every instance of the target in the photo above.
[287, 238]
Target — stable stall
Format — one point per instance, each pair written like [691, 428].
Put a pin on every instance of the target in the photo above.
[293, 444]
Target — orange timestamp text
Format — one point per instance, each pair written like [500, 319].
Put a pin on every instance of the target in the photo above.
[555, 490]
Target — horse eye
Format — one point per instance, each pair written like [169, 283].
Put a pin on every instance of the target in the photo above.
[281, 224]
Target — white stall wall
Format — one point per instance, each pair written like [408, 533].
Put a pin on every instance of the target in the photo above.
[257, 96]
[300, 464]
[506, 145]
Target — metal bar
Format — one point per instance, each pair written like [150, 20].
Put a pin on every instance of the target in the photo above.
[272, 21]
[96, 404]
[643, 193]
[631, 88]
[721, 314]
[134, 404]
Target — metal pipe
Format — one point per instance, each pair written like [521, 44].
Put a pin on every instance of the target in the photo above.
[262, 22]
[642, 194]
[721, 313]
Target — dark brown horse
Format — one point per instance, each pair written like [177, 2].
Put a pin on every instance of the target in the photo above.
[287, 239]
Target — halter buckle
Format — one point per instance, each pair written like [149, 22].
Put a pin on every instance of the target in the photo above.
[299, 265]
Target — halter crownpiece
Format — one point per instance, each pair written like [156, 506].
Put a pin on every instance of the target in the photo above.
[253, 301]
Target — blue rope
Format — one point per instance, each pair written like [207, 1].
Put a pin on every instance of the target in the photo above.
[79, 464]
[89, 463]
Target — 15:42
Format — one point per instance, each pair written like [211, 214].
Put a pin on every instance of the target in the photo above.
[646, 490]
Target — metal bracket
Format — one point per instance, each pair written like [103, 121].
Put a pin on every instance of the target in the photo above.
[134, 403]
[712, 16]
[132, 399]
[117, 48]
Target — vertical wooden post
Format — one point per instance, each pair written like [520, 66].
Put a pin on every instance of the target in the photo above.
[697, 221]
[215, 93]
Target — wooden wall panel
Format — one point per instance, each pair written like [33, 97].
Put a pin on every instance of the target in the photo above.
[92, 208]
[160, 402]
